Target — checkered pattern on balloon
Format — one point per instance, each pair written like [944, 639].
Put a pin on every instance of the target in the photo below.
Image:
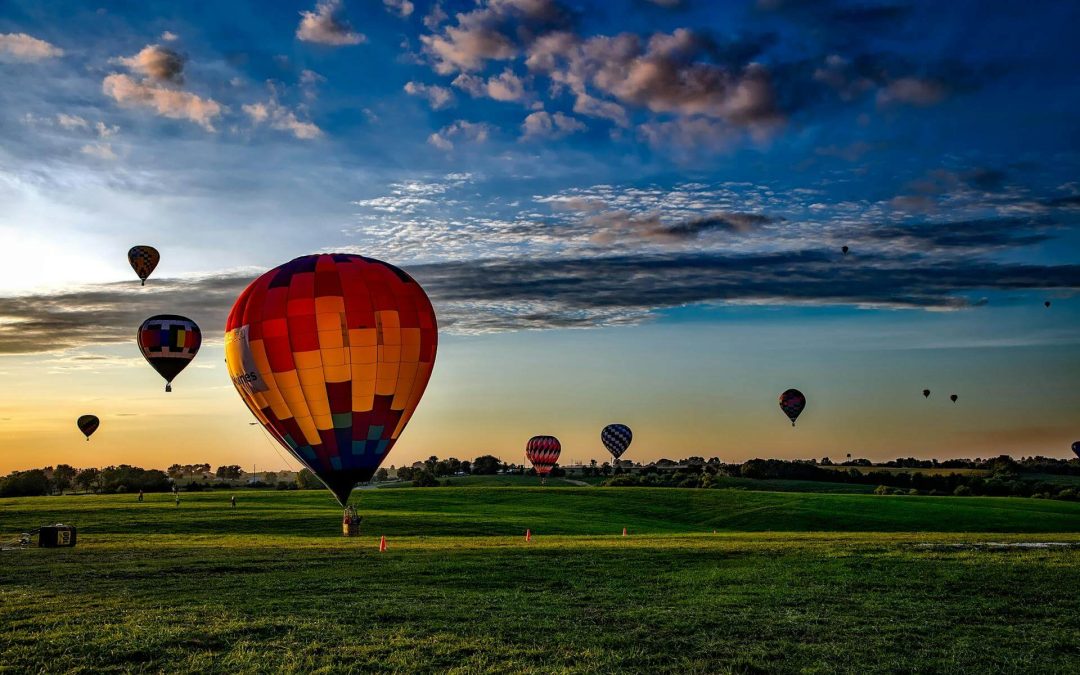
[616, 438]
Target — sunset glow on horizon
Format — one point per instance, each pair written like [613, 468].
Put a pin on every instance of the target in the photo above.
[632, 217]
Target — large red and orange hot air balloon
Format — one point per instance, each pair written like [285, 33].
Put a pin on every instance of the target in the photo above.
[332, 354]
[543, 452]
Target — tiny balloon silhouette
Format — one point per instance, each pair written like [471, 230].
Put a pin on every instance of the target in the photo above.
[616, 438]
[1047, 304]
[88, 424]
[143, 259]
[792, 403]
[953, 398]
[1076, 448]
[844, 250]
[926, 393]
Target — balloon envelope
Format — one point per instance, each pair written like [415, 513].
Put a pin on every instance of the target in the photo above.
[926, 393]
[844, 250]
[1047, 304]
[953, 398]
[88, 424]
[543, 452]
[169, 342]
[332, 353]
[792, 403]
[1076, 448]
[616, 438]
[143, 260]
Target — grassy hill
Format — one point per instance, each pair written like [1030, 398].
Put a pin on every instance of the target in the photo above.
[791, 582]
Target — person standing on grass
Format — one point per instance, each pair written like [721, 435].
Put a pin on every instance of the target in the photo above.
[232, 500]
[140, 495]
[177, 500]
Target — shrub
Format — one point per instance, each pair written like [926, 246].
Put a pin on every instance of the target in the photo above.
[914, 492]
[882, 490]
[962, 491]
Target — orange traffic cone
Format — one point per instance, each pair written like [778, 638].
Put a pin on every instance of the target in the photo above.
[624, 532]
[528, 535]
[382, 544]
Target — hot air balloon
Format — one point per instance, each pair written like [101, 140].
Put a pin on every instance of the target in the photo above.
[169, 342]
[844, 250]
[1047, 304]
[792, 403]
[616, 438]
[953, 398]
[543, 452]
[143, 260]
[1076, 448]
[926, 393]
[88, 424]
[332, 353]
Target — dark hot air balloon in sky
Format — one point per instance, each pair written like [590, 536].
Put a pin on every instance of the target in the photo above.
[616, 438]
[88, 424]
[844, 250]
[953, 398]
[792, 403]
[143, 260]
[1076, 448]
[1047, 304]
[332, 353]
[169, 342]
[926, 393]
[543, 452]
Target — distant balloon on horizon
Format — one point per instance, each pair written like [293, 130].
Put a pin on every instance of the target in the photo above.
[88, 424]
[143, 259]
[926, 393]
[1047, 304]
[953, 398]
[616, 438]
[1076, 448]
[792, 403]
[844, 250]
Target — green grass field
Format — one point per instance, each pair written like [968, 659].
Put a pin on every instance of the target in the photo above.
[790, 582]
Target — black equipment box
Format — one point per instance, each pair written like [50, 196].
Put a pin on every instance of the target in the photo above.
[54, 536]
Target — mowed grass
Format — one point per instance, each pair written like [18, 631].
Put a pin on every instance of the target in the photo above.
[790, 582]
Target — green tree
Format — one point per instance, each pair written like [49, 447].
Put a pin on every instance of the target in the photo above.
[305, 480]
[63, 476]
[382, 475]
[88, 479]
[229, 472]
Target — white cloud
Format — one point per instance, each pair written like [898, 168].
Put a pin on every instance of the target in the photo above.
[282, 119]
[542, 124]
[23, 47]
[165, 101]
[438, 97]
[402, 8]
[71, 121]
[169, 36]
[443, 139]
[325, 26]
[99, 150]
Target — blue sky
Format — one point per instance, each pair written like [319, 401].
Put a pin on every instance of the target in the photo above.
[600, 178]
